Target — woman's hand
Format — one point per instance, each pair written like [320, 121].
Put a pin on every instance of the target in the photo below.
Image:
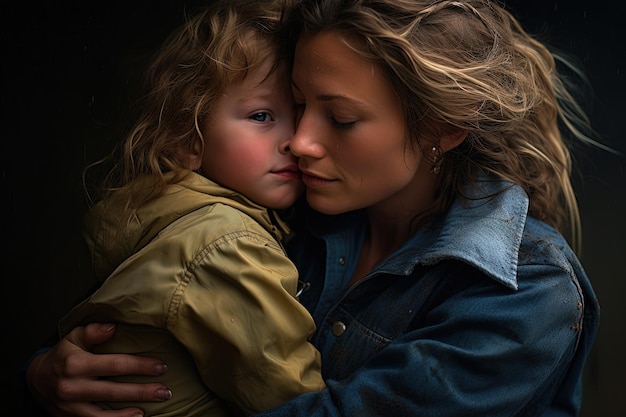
[65, 379]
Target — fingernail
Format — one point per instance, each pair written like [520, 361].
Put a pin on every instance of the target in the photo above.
[106, 327]
[159, 369]
[163, 394]
[138, 415]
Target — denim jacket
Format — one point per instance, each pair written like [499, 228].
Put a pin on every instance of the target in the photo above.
[486, 313]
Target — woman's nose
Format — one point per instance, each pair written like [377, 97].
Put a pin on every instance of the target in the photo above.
[304, 142]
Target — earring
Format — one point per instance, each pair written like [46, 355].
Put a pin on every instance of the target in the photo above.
[437, 159]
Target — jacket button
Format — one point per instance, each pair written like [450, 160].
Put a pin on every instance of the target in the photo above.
[338, 328]
[342, 261]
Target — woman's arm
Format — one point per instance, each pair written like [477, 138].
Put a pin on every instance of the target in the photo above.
[64, 380]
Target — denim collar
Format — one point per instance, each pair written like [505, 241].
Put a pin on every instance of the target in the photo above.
[484, 231]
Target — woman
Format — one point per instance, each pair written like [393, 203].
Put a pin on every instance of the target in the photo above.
[434, 258]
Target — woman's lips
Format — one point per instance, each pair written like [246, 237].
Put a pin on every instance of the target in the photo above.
[311, 180]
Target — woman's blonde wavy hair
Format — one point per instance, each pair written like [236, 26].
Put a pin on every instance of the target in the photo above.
[212, 50]
[469, 65]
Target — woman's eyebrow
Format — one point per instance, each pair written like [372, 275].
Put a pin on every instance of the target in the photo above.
[333, 97]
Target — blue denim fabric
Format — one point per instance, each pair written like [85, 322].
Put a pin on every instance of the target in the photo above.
[488, 313]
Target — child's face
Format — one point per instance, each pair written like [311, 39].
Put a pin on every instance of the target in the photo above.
[247, 141]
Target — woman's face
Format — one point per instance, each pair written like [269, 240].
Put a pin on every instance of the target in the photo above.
[351, 135]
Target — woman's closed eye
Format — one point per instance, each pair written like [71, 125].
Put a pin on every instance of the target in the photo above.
[340, 124]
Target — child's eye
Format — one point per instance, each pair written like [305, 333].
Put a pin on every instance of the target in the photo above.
[261, 116]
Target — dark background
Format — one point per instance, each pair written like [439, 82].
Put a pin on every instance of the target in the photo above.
[70, 75]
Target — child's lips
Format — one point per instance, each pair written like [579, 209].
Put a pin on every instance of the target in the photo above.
[289, 171]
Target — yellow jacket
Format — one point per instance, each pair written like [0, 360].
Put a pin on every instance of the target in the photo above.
[199, 278]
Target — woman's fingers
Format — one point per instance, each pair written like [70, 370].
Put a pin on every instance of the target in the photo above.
[79, 389]
[66, 379]
[78, 361]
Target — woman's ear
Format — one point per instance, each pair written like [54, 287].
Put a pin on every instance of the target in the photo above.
[453, 139]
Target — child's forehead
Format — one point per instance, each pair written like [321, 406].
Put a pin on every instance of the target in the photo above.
[268, 74]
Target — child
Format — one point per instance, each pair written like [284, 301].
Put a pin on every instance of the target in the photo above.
[190, 259]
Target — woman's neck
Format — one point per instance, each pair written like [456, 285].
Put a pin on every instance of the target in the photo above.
[394, 220]
[385, 235]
